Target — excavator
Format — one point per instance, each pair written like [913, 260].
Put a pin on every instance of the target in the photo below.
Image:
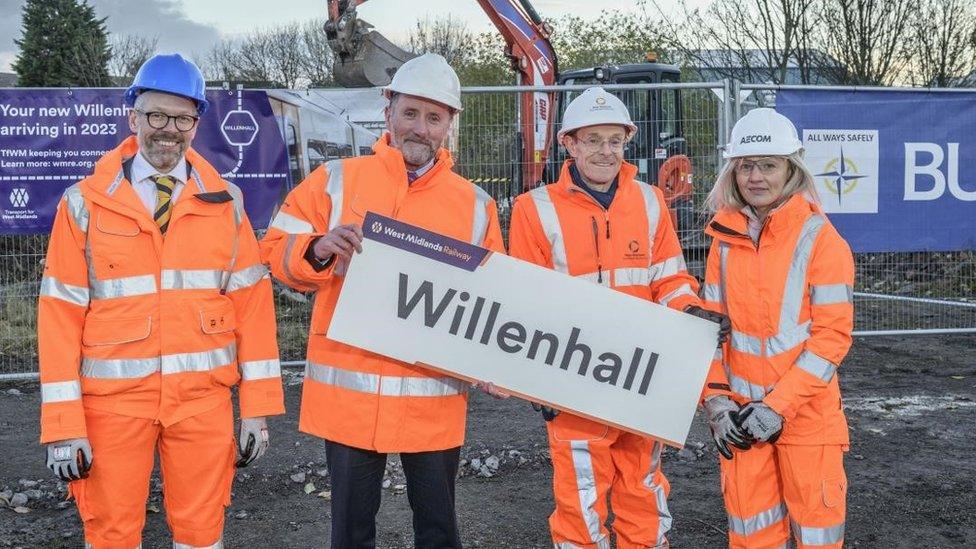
[365, 58]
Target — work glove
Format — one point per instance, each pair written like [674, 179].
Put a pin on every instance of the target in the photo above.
[70, 459]
[253, 440]
[548, 413]
[724, 326]
[721, 413]
[760, 421]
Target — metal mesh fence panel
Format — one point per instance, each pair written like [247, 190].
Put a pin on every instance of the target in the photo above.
[905, 292]
[921, 292]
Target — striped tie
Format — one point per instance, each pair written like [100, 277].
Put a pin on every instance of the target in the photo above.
[164, 203]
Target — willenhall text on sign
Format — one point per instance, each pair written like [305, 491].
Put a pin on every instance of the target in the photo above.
[424, 298]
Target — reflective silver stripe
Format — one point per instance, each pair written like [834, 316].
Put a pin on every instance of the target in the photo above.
[122, 287]
[660, 497]
[245, 278]
[260, 369]
[829, 294]
[285, 263]
[684, 289]
[421, 386]
[291, 224]
[595, 278]
[479, 225]
[602, 544]
[550, 226]
[218, 545]
[631, 276]
[746, 388]
[668, 267]
[190, 279]
[796, 278]
[119, 368]
[586, 486]
[52, 287]
[759, 521]
[354, 381]
[712, 292]
[203, 361]
[76, 206]
[653, 210]
[745, 343]
[60, 391]
[385, 385]
[786, 340]
[816, 366]
[333, 187]
[829, 535]
[718, 354]
[723, 254]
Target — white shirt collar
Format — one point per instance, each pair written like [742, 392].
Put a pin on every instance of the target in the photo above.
[142, 169]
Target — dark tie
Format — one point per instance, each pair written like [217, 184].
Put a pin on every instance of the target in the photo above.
[164, 200]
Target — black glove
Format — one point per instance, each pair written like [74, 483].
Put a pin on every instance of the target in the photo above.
[760, 421]
[547, 413]
[724, 326]
[722, 415]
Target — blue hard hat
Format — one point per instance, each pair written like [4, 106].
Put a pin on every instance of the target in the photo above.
[169, 74]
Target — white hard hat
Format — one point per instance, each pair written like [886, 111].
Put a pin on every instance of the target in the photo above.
[763, 132]
[594, 107]
[430, 77]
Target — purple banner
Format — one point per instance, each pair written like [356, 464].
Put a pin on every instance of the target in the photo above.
[51, 138]
[423, 242]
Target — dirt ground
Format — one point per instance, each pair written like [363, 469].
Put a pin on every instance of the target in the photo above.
[911, 404]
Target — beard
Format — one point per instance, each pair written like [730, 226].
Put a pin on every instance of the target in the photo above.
[163, 157]
[417, 151]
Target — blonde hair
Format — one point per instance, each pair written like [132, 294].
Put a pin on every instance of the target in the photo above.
[725, 193]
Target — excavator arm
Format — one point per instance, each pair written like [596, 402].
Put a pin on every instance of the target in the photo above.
[365, 58]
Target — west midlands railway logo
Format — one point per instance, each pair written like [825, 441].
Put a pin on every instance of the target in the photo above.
[19, 197]
[377, 227]
[845, 167]
[840, 176]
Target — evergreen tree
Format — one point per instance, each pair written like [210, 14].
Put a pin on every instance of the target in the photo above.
[63, 44]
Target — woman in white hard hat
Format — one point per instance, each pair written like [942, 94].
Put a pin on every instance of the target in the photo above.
[784, 277]
[600, 224]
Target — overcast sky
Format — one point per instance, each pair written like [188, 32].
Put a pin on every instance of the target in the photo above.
[193, 26]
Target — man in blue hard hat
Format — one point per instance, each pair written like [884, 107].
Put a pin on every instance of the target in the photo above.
[154, 303]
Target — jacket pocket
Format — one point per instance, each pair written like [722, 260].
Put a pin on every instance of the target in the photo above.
[115, 331]
[116, 224]
[834, 491]
[218, 319]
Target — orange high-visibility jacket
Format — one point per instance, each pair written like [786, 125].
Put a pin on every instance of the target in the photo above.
[350, 395]
[631, 247]
[136, 324]
[790, 301]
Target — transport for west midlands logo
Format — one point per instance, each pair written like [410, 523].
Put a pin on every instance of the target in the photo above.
[19, 197]
[840, 176]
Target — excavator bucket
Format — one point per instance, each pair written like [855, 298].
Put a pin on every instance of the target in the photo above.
[373, 63]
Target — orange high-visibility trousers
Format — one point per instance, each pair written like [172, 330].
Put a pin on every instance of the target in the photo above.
[773, 490]
[197, 464]
[590, 459]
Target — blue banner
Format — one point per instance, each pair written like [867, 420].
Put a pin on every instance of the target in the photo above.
[51, 138]
[896, 170]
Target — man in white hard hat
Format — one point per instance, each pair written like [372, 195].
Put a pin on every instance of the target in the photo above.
[600, 224]
[365, 405]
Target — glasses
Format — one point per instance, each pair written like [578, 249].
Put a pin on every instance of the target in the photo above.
[766, 167]
[159, 120]
[594, 143]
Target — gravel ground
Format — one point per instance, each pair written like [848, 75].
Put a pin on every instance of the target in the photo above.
[911, 403]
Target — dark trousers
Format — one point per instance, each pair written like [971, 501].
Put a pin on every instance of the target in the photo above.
[357, 477]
